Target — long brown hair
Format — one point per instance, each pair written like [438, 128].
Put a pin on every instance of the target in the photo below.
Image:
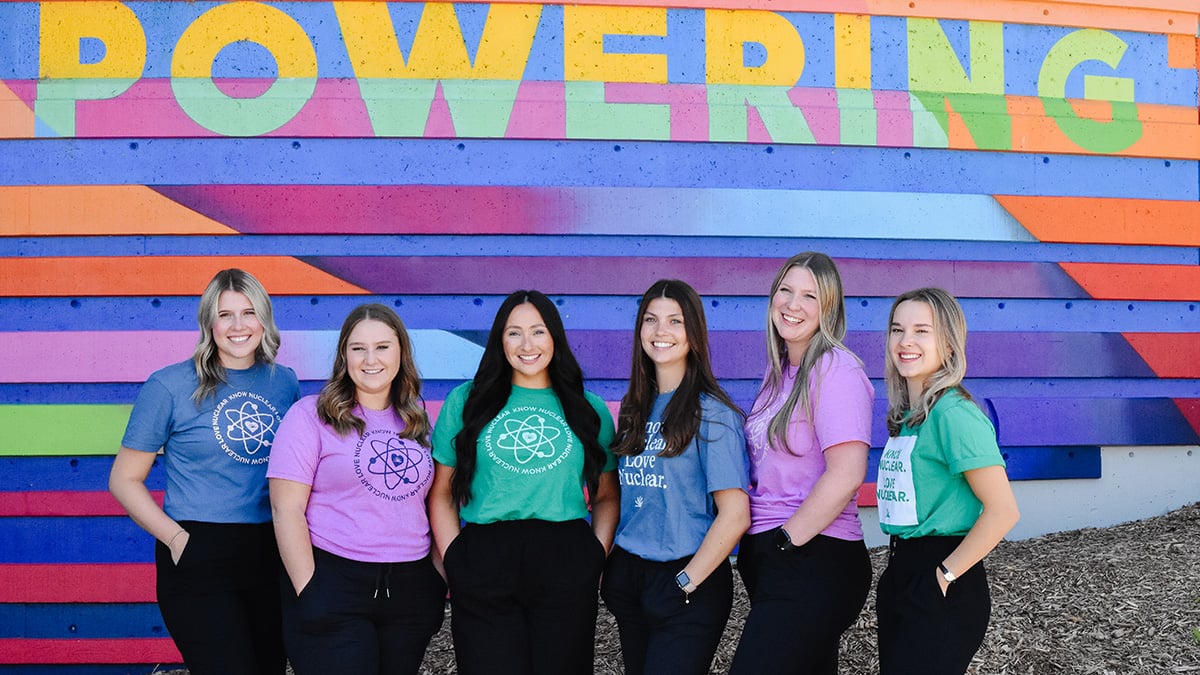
[681, 419]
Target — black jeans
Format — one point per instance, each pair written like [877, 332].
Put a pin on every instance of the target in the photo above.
[660, 631]
[801, 601]
[920, 631]
[221, 602]
[361, 618]
[523, 597]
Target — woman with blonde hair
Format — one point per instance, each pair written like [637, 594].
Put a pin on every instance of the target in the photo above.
[804, 563]
[214, 417]
[943, 495]
[349, 476]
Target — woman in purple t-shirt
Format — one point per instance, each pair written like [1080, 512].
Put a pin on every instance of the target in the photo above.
[803, 560]
[349, 474]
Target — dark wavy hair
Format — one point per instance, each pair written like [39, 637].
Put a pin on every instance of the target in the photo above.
[335, 404]
[493, 385]
[681, 419]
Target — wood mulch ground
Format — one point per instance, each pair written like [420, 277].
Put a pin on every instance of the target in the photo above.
[1122, 600]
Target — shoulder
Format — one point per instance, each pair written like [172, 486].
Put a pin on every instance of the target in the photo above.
[286, 373]
[460, 393]
[176, 375]
[953, 408]
[595, 401]
[840, 359]
[716, 410]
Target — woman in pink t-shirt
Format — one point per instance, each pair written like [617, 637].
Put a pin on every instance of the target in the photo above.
[803, 560]
[349, 474]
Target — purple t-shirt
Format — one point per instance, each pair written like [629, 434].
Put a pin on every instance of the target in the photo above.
[780, 480]
[368, 490]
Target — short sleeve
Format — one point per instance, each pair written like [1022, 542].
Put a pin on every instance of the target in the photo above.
[607, 430]
[449, 423]
[152, 417]
[967, 437]
[297, 449]
[722, 447]
[843, 406]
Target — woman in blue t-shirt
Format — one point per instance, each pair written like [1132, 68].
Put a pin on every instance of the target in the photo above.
[942, 492]
[514, 449]
[214, 417]
[683, 471]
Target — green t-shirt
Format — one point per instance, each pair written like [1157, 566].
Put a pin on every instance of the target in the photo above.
[921, 489]
[529, 463]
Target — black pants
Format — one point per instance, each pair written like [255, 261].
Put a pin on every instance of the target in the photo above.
[221, 602]
[362, 618]
[801, 601]
[523, 597]
[660, 631]
[921, 632]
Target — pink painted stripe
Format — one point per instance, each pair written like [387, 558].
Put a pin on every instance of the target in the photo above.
[16, 651]
[63, 503]
[87, 582]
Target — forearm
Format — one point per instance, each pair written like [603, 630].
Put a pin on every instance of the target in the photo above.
[127, 483]
[444, 520]
[732, 521]
[987, 532]
[827, 500]
[295, 547]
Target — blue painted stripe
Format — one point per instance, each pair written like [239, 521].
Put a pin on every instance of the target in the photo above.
[743, 390]
[632, 246]
[1092, 421]
[599, 312]
[53, 474]
[106, 539]
[274, 161]
[1033, 463]
[74, 621]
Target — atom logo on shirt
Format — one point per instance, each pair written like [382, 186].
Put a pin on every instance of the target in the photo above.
[395, 468]
[528, 440]
[244, 424]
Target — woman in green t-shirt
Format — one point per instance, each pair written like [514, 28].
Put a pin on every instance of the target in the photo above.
[515, 449]
[942, 491]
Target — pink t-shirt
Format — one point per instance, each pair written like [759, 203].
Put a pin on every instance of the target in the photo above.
[368, 490]
[780, 480]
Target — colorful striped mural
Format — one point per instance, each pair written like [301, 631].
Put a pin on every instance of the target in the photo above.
[1040, 160]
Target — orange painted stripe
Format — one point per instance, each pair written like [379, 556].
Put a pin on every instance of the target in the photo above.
[1169, 132]
[97, 210]
[14, 651]
[50, 503]
[88, 582]
[1083, 220]
[1181, 51]
[16, 119]
[1166, 353]
[1137, 282]
[166, 275]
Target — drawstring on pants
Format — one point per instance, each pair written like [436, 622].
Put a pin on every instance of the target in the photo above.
[383, 579]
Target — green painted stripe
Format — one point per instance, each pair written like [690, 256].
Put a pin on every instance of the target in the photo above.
[62, 429]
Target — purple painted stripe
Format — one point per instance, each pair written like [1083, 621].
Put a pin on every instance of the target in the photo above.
[1154, 421]
[605, 275]
[130, 356]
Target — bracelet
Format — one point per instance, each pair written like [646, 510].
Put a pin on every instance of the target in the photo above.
[174, 537]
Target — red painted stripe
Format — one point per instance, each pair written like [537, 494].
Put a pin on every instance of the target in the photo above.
[866, 495]
[63, 503]
[123, 650]
[77, 583]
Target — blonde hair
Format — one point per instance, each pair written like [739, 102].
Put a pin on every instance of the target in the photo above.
[950, 331]
[207, 360]
[831, 330]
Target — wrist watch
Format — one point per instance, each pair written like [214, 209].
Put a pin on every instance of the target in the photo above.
[685, 585]
[783, 540]
[949, 576]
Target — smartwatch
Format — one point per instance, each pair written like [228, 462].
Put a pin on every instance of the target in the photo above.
[685, 582]
[783, 540]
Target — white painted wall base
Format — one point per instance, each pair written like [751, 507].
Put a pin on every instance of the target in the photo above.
[1136, 482]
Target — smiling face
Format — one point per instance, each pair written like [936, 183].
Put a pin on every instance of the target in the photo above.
[528, 347]
[664, 339]
[373, 361]
[913, 345]
[796, 311]
[237, 331]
